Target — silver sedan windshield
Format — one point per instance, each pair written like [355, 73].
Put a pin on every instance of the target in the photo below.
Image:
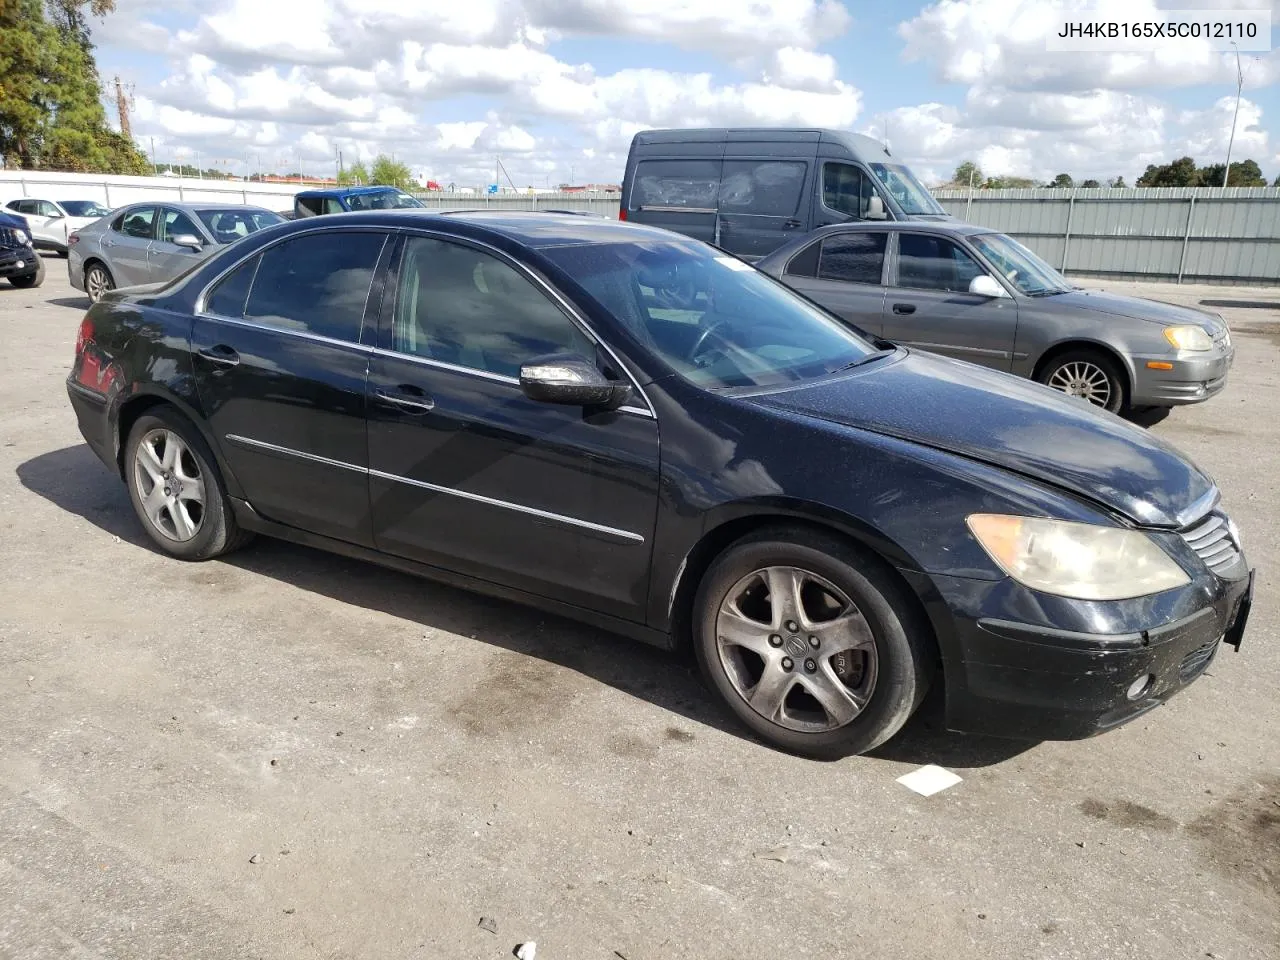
[1024, 269]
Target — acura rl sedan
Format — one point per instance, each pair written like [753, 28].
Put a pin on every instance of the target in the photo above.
[977, 295]
[623, 425]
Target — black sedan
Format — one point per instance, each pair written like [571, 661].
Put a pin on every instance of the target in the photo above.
[630, 427]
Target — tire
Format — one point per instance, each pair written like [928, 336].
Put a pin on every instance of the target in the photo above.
[97, 281]
[32, 279]
[181, 461]
[889, 672]
[1081, 373]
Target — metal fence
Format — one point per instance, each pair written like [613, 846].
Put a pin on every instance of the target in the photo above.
[1192, 234]
[581, 201]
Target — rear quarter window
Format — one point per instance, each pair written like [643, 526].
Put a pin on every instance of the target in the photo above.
[693, 184]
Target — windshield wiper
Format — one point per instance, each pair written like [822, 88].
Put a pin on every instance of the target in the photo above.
[869, 358]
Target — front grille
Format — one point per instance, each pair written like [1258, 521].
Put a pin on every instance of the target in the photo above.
[1212, 541]
[1195, 662]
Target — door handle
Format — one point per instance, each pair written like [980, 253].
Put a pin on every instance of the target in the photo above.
[107, 243]
[904, 308]
[791, 224]
[221, 354]
[409, 397]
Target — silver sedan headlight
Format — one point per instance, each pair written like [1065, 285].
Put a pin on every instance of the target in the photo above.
[1188, 337]
[1080, 560]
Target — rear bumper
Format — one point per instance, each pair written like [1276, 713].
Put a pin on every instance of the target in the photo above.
[1012, 678]
[91, 417]
[1190, 380]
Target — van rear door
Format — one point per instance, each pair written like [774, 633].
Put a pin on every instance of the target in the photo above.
[763, 188]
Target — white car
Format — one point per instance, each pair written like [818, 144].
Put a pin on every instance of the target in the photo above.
[52, 221]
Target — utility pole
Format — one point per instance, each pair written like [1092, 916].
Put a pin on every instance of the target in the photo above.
[1231, 142]
[122, 107]
[155, 169]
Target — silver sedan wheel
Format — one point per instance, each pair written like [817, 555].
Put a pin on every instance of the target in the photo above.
[1083, 379]
[170, 486]
[796, 649]
[96, 283]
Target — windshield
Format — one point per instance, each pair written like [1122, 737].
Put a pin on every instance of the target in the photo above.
[228, 226]
[389, 199]
[714, 319]
[84, 208]
[909, 192]
[1024, 269]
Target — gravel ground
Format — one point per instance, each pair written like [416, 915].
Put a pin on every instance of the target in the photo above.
[291, 755]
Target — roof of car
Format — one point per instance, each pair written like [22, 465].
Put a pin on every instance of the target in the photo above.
[344, 191]
[528, 228]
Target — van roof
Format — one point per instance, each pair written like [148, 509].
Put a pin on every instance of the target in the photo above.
[344, 191]
[860, 144]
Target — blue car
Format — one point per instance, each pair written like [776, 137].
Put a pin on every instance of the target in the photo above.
[311, 203]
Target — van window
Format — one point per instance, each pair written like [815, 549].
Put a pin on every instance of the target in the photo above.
[691, 184]
[764, 188]
[846, 189]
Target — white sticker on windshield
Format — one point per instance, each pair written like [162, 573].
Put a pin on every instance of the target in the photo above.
[733, 264]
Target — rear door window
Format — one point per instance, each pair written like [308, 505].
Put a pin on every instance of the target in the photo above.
[928, 262]
[228, 296]
[139, 223]
[766, 188]
[317, 283]
[853, 257]
[683, 184]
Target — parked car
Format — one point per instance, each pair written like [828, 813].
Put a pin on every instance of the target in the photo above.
[977, 295]
[626, 426]
[152, 242]
[19, 261]
[751, 190]
[311, 203]
[51, 222]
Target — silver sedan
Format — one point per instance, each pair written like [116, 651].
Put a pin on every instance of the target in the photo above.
[154, 242]
[973, 294]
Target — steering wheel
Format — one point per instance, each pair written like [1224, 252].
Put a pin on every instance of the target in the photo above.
[696, 350]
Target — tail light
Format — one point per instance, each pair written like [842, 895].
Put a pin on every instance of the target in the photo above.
[83, 335]
[622, 212]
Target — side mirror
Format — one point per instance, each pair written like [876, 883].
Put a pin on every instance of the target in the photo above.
[984, 285]
[570, 379]
[186, 240]
[875, 208]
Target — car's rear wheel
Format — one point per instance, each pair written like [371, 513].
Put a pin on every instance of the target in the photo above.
[176, 490]
[1089, 375]
[31, 279]
[811, 642]
[97, 281]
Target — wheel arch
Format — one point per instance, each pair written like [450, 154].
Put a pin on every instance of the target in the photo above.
[146, 398]
[737, 524]
[1108, 350]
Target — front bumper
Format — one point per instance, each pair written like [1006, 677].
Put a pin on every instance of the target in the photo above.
[19, 262]
[1009, 673]
[1194, 378]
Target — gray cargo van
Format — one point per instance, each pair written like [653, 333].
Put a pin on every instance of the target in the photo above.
[749, 191]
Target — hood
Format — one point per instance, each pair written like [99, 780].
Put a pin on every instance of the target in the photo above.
[13, 221]
[1137, 308]
[1012, 423]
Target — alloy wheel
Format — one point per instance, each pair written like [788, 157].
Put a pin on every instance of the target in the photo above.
[170, 485]
[1083, 379]
[97, 282]
[796, 649]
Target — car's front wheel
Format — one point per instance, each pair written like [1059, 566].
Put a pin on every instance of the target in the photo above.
[97, 281]
[176, 490]
[31, 279]
[811, 642]
[1089, 375]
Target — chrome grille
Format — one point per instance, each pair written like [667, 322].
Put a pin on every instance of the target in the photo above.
[1195, 662]
[1212, 541]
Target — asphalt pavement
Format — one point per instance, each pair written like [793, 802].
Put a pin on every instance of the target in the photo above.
[291, 755]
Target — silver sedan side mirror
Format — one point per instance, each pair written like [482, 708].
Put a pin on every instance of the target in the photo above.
[187, 240]
[984, 285]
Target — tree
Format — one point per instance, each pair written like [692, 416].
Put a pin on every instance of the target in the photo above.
[1061, 180]
[1181, 173]
[1245, 173]
[27, 45]
[354, 174]
[1117, 182]
[389, 172]
[1007, 183]
[966, 174]
[1277, 182]
[1090, 183]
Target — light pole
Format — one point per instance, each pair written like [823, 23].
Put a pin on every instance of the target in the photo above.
[1231, 141]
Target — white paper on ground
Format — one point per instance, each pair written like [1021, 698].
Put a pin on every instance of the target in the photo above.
[929, 779]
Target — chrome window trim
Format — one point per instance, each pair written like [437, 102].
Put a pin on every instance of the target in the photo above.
[302, 334]
[436, 488]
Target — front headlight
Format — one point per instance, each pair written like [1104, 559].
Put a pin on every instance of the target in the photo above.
[1189, 337]
[1079, 560]
[22, 236]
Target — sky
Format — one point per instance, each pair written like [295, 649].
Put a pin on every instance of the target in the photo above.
[555, 89]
